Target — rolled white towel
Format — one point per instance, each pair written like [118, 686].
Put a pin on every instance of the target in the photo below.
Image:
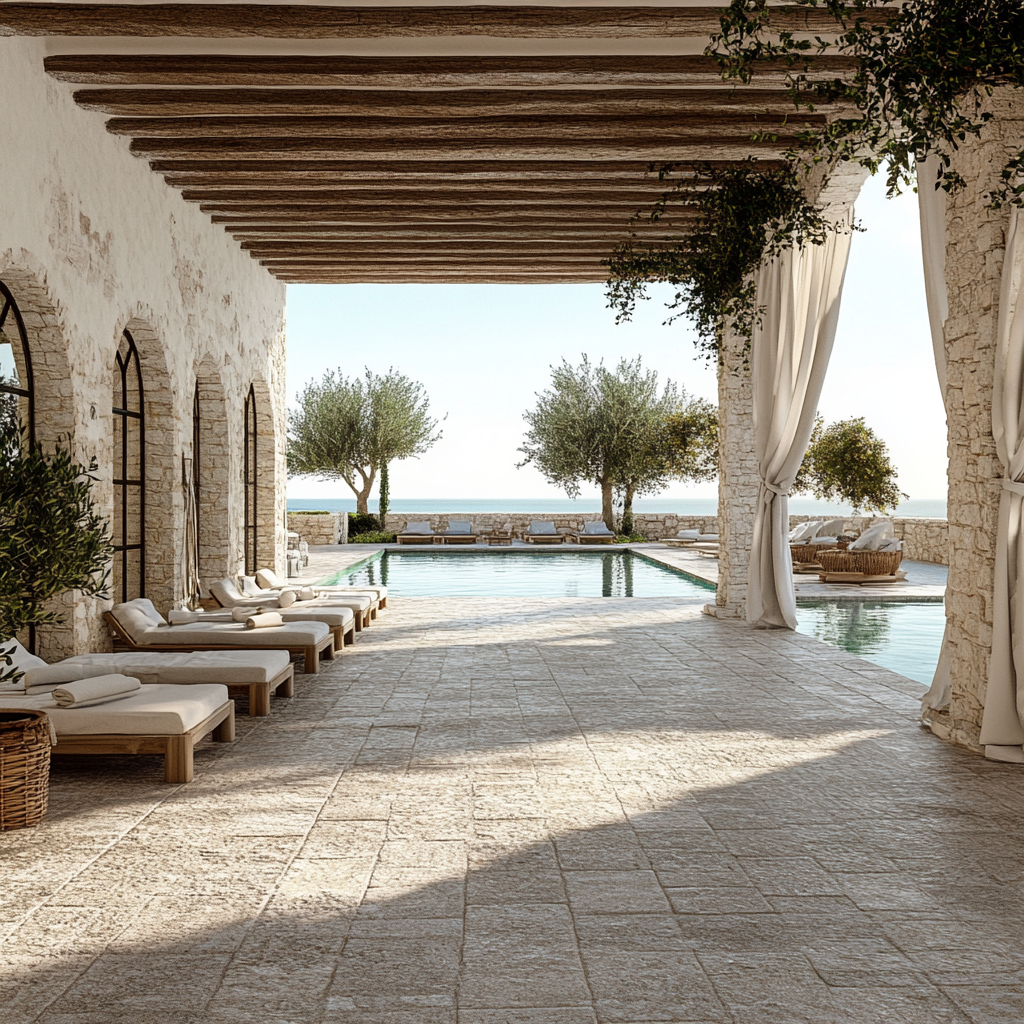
[98, 690]
[263, 620]
[287, 598]
[241, 614]
[307, 594]
[179, 616]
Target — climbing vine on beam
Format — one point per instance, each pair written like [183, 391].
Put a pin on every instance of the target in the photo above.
[920, 72]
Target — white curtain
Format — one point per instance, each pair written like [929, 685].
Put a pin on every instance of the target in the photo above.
[799, 293]
[1002, 731]
[932, 207]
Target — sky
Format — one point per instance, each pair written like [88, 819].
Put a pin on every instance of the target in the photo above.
[483, 352]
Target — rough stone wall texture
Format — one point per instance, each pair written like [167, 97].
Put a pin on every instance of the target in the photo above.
[924, 539]
[738, 481]
[652, 526]
[975, 246]
[317, 529]
[91, 243]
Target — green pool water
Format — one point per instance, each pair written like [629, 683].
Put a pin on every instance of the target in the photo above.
[904, 637]
[510, 573]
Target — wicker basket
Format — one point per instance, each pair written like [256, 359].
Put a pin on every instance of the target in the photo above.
[800, 552]
[24, 768]
[871, 563]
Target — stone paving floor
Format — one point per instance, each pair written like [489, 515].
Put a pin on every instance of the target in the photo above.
[535, 812]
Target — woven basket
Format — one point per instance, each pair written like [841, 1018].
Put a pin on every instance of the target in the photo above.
[809, 552]
[839, 561]
[871, 563]
[24, 768]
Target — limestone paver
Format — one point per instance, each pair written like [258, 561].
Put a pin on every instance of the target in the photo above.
[535, 812]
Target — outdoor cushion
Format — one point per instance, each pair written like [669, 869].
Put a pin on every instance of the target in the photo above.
[250, 588]
[597, 529]
[153, 710]
[543, 527]
[137, 617]
[99, 690]
[229, 667]
[688, 534]
[804, 531]
[872, 537]
[269, 580]
[419, 528]
[226, 591]
[832, 528]
[21, 661]
[301, 633]
[460, 526]
[823, 540]
[287, 598]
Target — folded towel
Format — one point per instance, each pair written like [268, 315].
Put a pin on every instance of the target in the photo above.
[98, 690]
[263, 620]
[286, 598]
[307, 594]
[241, 614]
[179, 616]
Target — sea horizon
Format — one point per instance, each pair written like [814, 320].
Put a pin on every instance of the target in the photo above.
[934, 508]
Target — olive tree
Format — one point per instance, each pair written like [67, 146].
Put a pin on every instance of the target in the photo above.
[52, 539]
[351, 429]
[600, 426]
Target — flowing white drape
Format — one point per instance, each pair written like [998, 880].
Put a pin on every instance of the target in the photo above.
[193, 591]
[932, 208]
[799, 292]
[1002, 731]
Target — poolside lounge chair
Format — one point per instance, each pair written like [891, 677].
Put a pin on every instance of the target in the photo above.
[267, 579]
[158, 718]
[140, 627]
[502, 536]
[460, 531]
[322, 609]
[594, 533]
[542, 531]
[416, 533]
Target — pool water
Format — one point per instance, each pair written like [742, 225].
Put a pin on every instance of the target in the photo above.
[522, 574]
[903, 637]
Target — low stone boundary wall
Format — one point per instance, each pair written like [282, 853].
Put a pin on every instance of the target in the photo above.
[319, 527]
[924, 540]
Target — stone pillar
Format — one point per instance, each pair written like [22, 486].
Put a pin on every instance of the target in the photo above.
[975, 244]
[737, 477]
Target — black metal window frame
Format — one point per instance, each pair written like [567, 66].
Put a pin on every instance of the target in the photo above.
[250, 447]
[124, 367]
[196, 427]
[9, 308]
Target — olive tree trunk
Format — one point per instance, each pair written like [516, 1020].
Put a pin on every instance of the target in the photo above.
[607, 513]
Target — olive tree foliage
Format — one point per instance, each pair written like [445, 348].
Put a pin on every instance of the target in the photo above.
[603, 427]
[351, 429]
[52, 539]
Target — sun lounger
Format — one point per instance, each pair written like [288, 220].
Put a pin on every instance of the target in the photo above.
[140, 627]
[594, 533]
[160, 718]
[691, 538]
[459, 532]
[267, 579]
[362, 606]
[542, 531]
[252, 674]
[416, 533]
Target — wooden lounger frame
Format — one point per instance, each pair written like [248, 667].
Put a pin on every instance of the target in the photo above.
[593, 538]
[416, 538]
[459, 538]
[311, 654]
[543, 538]
[359, 620]
[177, 750]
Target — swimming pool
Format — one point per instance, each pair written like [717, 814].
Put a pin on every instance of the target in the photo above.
[499, 573]
[904, 637]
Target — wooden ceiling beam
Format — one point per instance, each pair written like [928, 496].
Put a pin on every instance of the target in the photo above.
[452, 234]
[257, 186]
[683, 127]
[427, 197]
[431, 104]
[501, 218]
[286, 21]
[571, 72]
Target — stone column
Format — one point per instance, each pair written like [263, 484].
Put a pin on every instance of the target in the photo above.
[737, 477]
[975, 244]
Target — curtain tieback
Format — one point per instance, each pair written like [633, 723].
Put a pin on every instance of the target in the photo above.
[774, 489]
[1016, 486]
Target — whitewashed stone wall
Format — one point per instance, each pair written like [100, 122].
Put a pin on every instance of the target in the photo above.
[317, 528]
[93, 242]
[924, 539]
[976, 239]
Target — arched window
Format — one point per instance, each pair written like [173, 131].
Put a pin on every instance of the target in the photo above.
[15, 365]
[249, 444]
[129, 526]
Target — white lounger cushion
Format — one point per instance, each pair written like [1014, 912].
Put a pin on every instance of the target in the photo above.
[269, 580]
[298, 633]
[269, 601]
[832, 528]
[230, 667]
[804, 531]
[463, 526]
[155, 710]
[597, 529]
[135, 617]
[687, 534]
[418, 528]
[543, 527]
[871, 539]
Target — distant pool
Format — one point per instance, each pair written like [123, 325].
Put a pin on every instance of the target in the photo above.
[498, 573]
[904, 637]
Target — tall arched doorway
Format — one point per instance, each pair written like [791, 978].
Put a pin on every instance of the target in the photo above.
[129, 521]
[16, 399]
[250, 468]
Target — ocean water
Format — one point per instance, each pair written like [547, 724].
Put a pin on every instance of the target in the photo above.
[681, 506]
